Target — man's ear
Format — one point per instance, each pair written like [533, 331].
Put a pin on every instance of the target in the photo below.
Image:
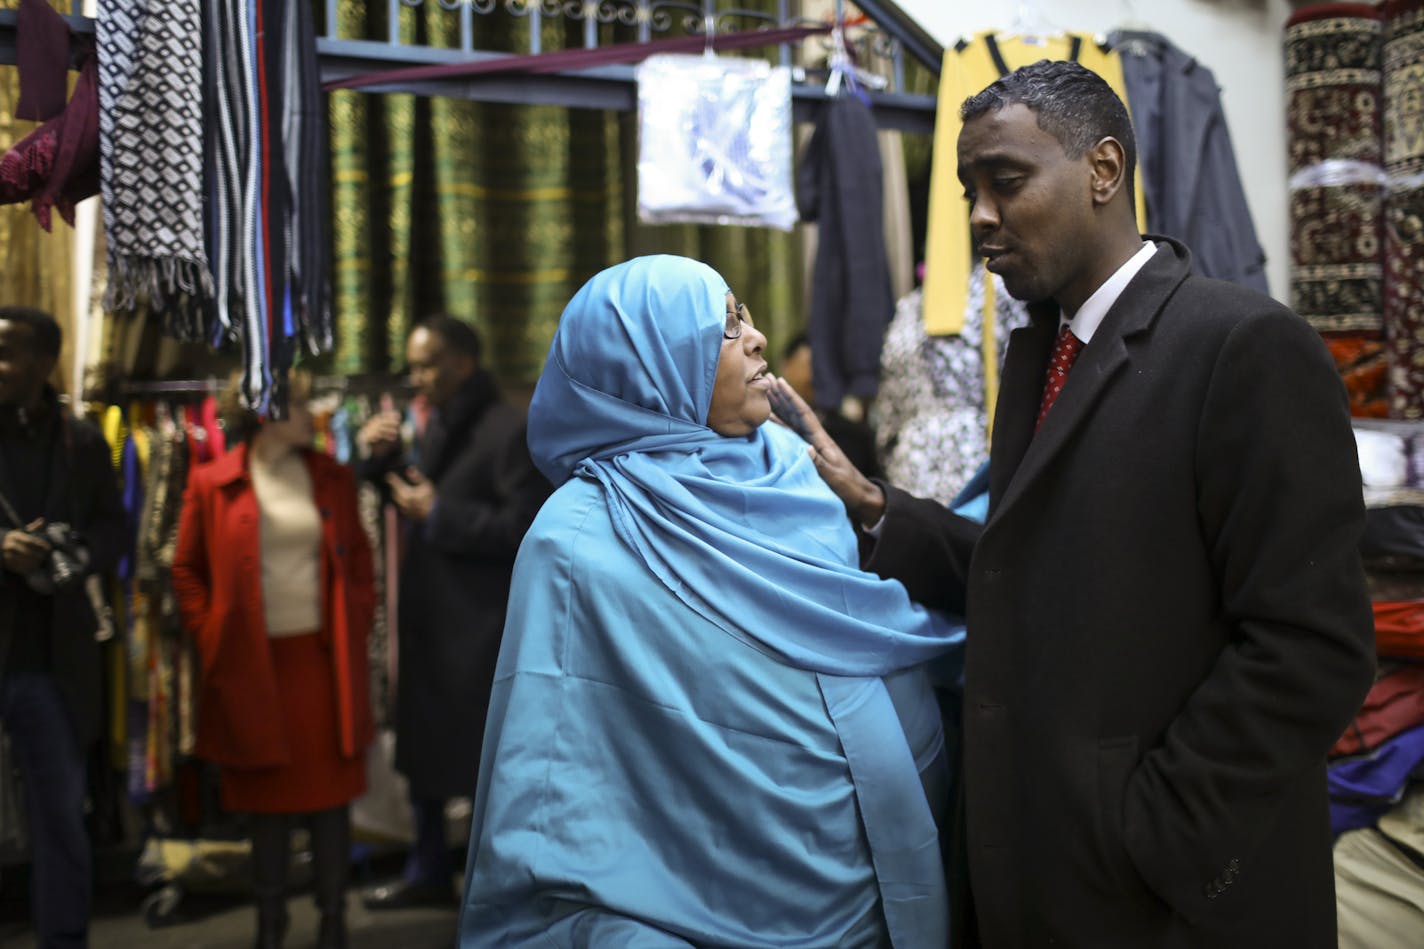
[1109, 165]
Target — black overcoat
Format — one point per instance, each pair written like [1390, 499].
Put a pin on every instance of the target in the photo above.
[454, 585]
[1168, 627]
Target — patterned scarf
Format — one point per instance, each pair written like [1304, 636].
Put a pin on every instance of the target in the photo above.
[151, 159]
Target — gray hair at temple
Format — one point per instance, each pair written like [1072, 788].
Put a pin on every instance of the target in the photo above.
[1071, 102]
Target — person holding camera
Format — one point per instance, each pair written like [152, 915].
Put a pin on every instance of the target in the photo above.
[60, 520]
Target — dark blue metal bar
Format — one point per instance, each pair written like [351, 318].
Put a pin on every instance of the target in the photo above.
[606, 87]
[601, 87]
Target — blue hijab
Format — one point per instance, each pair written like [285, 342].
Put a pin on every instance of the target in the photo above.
[742, 531]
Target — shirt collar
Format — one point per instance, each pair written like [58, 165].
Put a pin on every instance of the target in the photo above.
[1090, 315]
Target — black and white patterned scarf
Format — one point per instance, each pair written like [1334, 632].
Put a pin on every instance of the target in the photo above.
[151, 159]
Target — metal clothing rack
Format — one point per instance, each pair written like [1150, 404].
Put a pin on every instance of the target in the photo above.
[891, 33]
[212, 385]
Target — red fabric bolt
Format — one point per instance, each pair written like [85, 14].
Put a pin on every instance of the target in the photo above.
[1395, 704]
[1065, 352]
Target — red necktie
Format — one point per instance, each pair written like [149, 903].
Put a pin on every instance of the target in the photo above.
[1065, 352]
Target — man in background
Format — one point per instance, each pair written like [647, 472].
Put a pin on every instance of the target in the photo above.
[467, 497]
[60, 520]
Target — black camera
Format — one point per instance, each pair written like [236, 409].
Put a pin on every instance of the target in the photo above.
[66, 565]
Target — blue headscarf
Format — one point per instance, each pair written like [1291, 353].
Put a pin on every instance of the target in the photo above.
[742, 529]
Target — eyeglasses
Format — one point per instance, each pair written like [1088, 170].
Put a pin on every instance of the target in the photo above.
[735, 319]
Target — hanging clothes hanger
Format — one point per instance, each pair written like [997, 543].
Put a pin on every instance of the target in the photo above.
[842, 66]
[1133, 33]
[1030, 25]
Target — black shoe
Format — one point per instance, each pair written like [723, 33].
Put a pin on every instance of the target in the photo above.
[403, 895]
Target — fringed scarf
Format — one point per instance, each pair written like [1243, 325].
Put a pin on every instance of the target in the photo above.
[151, 159]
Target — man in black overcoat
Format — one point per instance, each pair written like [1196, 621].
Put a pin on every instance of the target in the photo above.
[1168, 620]
[468, 500]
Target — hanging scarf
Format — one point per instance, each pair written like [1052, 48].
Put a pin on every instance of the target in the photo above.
[151, 159]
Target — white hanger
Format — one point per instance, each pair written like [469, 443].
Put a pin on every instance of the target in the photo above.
[1131, 19]
[842, 67]
[1030, 24]
[1133, 45]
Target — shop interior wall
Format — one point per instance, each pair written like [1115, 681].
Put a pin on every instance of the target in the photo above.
[1239, 40]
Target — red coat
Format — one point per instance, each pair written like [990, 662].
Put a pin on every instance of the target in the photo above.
[217, 577]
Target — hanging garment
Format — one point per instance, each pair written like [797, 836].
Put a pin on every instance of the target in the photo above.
[839, 185]
[56, 165]
[932, 411]
[1188, 166]
[151, 159]
[968, 68]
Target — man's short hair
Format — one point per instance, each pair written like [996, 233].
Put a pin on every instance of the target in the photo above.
[45, 334]
[455, 332]
[1071, 102]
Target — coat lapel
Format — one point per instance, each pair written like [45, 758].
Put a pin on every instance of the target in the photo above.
[1026, 456]
[1019, 394]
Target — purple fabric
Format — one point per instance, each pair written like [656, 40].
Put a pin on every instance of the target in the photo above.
[1351, 815]
[1380, 775]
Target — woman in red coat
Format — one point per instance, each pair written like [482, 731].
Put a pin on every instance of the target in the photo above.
[273, 576]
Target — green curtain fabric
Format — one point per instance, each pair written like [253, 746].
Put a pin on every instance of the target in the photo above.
[372, 184]
[497, 213]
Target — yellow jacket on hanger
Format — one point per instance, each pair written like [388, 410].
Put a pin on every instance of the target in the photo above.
[968, 68]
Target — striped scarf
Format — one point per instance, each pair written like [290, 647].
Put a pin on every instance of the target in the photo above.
[268, 222]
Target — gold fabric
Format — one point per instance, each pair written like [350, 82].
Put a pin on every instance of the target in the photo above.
[498, 213]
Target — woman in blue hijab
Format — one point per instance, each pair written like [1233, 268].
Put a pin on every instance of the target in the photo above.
[708, 726]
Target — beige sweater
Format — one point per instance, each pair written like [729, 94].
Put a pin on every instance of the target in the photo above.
[290, 532]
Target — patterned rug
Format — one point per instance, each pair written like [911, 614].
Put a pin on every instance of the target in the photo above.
[1404, 205]
[1333, 80]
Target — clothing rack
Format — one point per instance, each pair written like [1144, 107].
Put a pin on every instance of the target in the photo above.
[889, 32]
[212, 385]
